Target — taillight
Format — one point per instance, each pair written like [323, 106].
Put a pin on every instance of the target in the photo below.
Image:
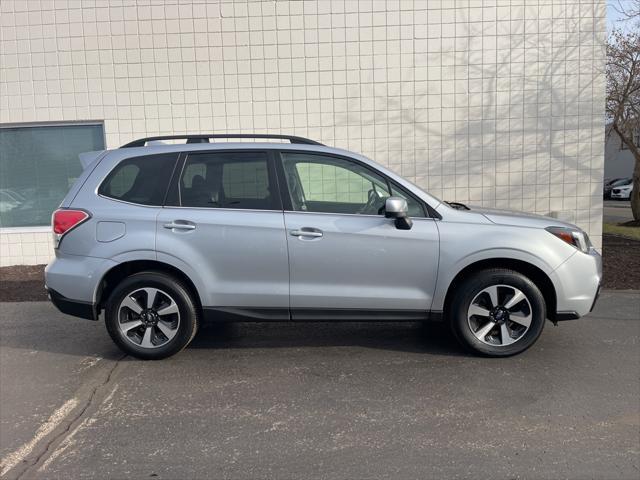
[64, 220]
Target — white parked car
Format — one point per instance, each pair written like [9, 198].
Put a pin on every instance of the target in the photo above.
[622, 191]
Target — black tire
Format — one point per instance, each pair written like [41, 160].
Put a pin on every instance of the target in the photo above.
[467, 291]
[189, 316]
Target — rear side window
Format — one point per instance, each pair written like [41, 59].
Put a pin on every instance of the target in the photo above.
[228, 180]
[142, 180]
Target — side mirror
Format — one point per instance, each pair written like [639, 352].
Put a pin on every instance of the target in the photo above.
[397, 208]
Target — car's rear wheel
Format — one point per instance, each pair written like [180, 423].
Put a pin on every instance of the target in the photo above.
[151, 315]
[497, 312]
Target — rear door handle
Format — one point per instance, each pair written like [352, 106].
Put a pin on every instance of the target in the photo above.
[180, 225]
[307, 232]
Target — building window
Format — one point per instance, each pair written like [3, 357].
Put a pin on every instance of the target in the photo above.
[38, 165]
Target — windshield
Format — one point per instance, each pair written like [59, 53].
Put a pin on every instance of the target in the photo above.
[624, 181]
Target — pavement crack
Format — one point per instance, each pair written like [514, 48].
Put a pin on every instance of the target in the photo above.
[92, 398]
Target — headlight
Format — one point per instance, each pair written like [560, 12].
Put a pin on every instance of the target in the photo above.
[574, 237]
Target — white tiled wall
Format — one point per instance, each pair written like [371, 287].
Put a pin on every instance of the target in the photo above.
[490, 102]
[25, 247]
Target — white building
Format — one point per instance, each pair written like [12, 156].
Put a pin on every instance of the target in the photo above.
[491, 102]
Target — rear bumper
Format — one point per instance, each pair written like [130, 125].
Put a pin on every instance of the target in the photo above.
[72, 282]
[76, 277]
[76, 308]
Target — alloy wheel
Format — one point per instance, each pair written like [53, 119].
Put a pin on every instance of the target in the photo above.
[499, 315]
[148, 317]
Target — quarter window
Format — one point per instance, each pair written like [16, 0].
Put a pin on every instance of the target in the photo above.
[142, 180]
[227, 180]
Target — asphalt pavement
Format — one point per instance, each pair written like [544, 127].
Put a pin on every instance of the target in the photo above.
[617, 211]
[320, 400]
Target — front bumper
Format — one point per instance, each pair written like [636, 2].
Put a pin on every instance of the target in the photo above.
[562, 316]
[620, 195]
[577, 283]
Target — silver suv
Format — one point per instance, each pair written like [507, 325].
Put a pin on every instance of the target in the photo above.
[162, 236]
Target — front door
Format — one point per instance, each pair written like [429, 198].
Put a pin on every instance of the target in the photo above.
[227, 225]
[347, 260]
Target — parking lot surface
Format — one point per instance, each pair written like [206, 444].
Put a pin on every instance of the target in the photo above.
[617, 211]
[320, 400]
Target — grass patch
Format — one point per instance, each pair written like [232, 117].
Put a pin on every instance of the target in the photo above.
[622, 230]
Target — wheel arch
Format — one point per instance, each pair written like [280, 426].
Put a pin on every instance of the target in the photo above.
[532, 272]
[116, 274]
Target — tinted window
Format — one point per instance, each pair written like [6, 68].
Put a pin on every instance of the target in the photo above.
[142, 180]
[325, 184]
[227, 180]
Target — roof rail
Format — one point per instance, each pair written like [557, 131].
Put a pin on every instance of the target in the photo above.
[205, 138]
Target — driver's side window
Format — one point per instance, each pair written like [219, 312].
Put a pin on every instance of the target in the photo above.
[319, 183]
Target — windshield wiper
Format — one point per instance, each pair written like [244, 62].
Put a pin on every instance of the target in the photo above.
[457, 205]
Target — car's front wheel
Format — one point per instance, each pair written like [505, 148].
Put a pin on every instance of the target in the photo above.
[497, 312]
[151, 315]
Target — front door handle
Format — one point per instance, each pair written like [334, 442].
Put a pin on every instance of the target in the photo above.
[307, 232]
[180, 225]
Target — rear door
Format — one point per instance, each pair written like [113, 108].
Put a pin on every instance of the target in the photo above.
[224, 218]
[346, 260]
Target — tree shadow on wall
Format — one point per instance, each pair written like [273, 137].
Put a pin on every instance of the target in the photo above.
[525, 133]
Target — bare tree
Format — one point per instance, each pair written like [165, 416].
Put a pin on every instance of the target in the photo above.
[629, 9]
[623, 91]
